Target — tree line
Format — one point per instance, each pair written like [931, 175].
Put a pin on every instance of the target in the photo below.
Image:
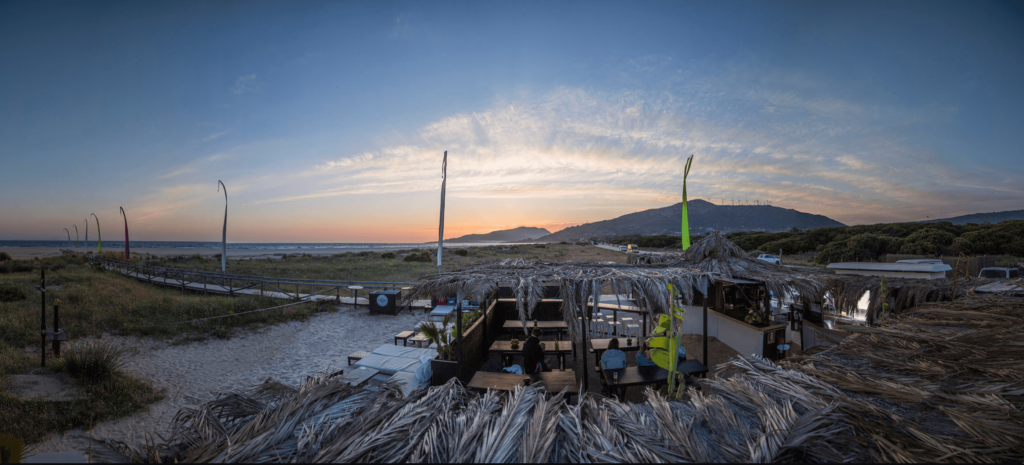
[871, 242]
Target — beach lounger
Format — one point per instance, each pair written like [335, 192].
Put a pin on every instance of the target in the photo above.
[388, 365]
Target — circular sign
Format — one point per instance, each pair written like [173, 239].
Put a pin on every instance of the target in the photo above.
[382, 300]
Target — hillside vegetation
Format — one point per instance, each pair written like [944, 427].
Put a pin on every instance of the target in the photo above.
[871, 242]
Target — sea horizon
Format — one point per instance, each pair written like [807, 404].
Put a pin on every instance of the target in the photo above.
[363, 246]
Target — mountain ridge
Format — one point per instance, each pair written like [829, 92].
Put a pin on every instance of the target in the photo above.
[522, 233]
[704, 217]
[981, 218]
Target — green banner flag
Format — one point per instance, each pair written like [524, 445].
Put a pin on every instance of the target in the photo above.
[99, 236]
[685, 230]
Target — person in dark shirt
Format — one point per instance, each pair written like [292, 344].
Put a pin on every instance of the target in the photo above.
[533, 353]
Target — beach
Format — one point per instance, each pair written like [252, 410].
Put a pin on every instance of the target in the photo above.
[28, 253]
[196, 372]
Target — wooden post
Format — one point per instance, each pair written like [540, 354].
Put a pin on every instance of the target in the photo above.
[458, 333]
[56, 327]
[705, 330]
[584, 348]
[231, 287]
[42, 319]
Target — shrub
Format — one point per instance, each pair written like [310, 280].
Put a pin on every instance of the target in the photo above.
[10, 292]
[91, 360]
[418, 257]
[387, 255]
[4, 256]
[461, 252]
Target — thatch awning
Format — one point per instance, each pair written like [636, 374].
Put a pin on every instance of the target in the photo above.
[942, 383]
[578, 282]
[721, 257]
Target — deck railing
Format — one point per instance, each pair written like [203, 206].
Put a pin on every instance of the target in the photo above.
[231, 284]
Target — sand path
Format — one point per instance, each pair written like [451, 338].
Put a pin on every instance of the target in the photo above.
[196, 372]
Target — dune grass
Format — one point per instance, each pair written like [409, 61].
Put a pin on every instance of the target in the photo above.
[373, 266]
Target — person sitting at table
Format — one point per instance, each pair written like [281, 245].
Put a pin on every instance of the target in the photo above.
[643, 357]
[533, 353]
[613, 357]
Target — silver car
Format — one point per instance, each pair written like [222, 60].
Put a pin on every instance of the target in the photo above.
[769, 258]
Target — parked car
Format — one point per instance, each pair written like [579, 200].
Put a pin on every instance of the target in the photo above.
[623, 248]
[633, 248]
[769, 258]
[999, 272]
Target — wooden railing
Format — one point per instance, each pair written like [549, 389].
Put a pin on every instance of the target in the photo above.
[232, 284]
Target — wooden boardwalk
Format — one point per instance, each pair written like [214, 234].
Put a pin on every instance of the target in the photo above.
[342, 292]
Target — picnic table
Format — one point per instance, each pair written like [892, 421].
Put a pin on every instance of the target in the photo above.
[554, 381]
[598, 346]
[633, 376]
[504, 348]
[558, 326]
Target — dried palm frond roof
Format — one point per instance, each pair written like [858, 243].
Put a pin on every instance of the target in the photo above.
[721, 257]
[900, 293]
[941, 383]
[578, 282]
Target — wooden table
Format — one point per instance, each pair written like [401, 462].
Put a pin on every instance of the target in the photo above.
[634, 376]
[504, 348]
[558, 326]
[692, 368]
[554, 381]
[355, 295]
[598, 346]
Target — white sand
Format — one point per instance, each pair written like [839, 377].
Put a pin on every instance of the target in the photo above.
[194, 373]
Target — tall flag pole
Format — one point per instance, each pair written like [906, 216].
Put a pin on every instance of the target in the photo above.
[440, 229]
[685, 230]
[126, 254]
[224, 232]
[69, 236]
[99, 235]
[87, 232]
[76, 236]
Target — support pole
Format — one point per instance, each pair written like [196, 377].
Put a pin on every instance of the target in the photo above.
[458, 334]
[705, 329]
[56, 330]
[584, 348]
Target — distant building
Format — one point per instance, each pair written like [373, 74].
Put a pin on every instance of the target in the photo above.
[919, 269]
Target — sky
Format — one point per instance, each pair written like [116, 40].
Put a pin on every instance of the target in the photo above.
[327, 121]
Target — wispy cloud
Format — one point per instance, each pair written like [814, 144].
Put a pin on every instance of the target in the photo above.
[243, 84]
[214, 136]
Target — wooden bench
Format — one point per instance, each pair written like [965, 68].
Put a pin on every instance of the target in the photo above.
[357, 356]
[404, 337]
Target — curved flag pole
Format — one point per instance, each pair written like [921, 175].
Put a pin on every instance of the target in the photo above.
[440, 229]
[224, 232]
[76, 236]
[99, 235]
[86, 233]
[126, 254]
[69, 236]
[685, 227]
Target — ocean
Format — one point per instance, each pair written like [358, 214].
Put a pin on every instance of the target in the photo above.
[277, 246]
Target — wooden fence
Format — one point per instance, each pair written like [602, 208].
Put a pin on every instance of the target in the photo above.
[234, 284]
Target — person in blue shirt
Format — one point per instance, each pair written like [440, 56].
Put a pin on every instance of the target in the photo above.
[643, 356]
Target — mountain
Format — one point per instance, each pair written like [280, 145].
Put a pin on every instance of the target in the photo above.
[522, 233]
[982, 218]
[704, 217]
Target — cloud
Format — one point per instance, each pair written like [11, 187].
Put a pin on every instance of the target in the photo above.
[214, 136]
[575, 145]
[244, 84]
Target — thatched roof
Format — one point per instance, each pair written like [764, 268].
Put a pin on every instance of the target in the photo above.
[579, 282]
[943, 383]
[721, 257]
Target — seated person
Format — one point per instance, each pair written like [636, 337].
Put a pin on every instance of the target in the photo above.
[613, 357]
[643, 357]
[533, 353]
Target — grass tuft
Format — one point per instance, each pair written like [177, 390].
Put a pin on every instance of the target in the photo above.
[91, 360]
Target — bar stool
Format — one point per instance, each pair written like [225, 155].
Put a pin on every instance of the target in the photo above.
[633, 330]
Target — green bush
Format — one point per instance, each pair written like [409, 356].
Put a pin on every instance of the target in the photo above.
[91, 360]
[387, 255]
[10, 292]
[423, 256]
[461, 252]
[4, 256]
